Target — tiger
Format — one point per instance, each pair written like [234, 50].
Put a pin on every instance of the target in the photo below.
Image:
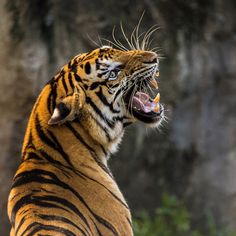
[63, 185]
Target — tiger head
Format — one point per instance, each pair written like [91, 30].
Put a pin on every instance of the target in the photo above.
[116, 82]
[108, 89]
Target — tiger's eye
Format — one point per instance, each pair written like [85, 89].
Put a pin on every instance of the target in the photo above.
[113, 74]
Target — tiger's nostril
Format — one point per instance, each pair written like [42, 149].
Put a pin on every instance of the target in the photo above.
[154, 60]
[150, 58]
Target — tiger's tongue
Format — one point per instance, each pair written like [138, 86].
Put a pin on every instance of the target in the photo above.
[142, 101]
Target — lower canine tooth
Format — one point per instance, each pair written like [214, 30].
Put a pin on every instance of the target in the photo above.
[157, 108]
[157, 98]
[157, 74]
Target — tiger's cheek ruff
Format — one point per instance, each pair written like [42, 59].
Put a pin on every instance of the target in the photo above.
[63, 185]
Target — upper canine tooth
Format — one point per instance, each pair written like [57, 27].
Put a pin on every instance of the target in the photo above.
[154, 83]
[157, 74]
[157, 98]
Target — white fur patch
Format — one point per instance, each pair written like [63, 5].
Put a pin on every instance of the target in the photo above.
[105, 46]
[56, 114]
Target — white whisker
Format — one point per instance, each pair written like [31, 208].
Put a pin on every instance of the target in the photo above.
[125, 37]
[97, 44]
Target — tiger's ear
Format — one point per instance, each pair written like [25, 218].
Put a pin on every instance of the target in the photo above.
[68, 108]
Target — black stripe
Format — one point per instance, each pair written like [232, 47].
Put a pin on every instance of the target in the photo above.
[117, 198]
[51, 101]
[62, 219]
[129, 222]
[97, 64]
[117, 94]
[28, 145]
[49, 158]
[97, 84]
[80, 174]
[72, 207]
[27, 200]
[79, 137]
[53, 144]
[106, 120]
[54, 96]
[32, 156]
[50, 228]
[28, 228]
[60, 148]
[54, 78]
[86, 86]
[60, 165]
[113, 87]
[37, 175]
[103, 149]
[19, 225]
[94, 85]
[105, 102]
[87, 68]
[91, 150]
[106, 224]
[97, 229]
[104, 129]
[70, 64]
[64, 83]
[90, 55]
[42, 135]
[99, 75]
[63, 202]
[77, 78]
[70, 81]
[27, 210]
[118, 118]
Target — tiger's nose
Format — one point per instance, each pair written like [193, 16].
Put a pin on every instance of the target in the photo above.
[150, 57]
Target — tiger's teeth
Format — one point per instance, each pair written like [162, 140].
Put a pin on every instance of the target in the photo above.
[157, 74]
[154, 84]
[157, 108]
[157, 98]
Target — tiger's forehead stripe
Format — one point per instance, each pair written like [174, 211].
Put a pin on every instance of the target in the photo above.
[87, 68]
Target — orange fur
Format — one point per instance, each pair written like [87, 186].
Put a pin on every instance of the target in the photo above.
[63, 185]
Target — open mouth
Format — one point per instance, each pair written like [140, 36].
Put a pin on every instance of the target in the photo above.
[142, 106]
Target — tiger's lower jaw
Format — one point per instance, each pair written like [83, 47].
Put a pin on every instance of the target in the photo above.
[151, 119]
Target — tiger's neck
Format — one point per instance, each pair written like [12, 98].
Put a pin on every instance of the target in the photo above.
[67, 164]
[73, 143]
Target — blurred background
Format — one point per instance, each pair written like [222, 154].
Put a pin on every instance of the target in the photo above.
[182, 176]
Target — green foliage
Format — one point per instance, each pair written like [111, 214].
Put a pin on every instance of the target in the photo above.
[172, 219]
